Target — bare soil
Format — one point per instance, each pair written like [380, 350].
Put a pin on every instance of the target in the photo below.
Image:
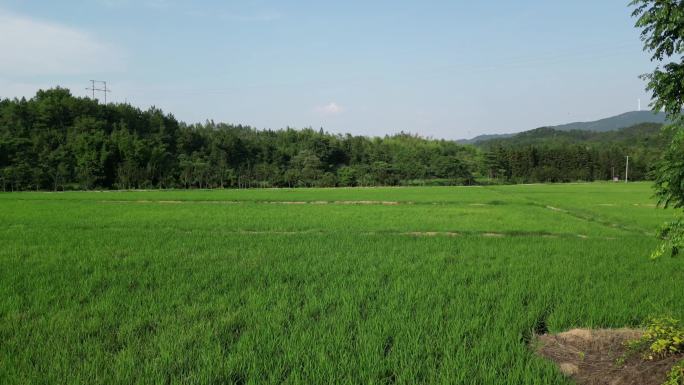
[432, 233]
[600, 357]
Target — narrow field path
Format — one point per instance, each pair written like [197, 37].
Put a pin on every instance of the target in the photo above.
[584, 215]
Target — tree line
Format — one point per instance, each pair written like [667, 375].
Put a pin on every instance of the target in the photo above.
[549, 155]
[56, 141]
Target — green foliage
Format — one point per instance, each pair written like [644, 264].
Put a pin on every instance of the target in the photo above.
[662, 31]
[670, 172]
[676, 374]
[549, 155]
[666, 336]
[663, 336]
[56, 141]
[672, 235]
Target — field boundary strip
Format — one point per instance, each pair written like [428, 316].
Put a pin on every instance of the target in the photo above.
[613, 224]
[302, 202]
[583, 215]
[293, 202]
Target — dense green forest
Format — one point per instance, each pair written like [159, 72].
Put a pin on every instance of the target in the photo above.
[55, 141]
[550, 155]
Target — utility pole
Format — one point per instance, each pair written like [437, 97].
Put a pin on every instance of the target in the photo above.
[627, 170]
[104, 89]
[92, 88]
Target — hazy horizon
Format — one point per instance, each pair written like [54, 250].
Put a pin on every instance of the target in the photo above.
[440, 69]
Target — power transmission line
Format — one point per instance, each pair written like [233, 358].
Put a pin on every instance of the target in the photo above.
[92, 88]
[104, 89]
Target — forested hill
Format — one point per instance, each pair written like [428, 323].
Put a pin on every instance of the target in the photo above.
[548, 154]
[643, 135]
[56, 141]
[612, 123]
[617, 122]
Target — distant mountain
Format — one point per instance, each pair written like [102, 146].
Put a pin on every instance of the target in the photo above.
[644, 135]
[613, 123]
[484, 138]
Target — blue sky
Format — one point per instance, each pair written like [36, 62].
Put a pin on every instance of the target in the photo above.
[445, 69]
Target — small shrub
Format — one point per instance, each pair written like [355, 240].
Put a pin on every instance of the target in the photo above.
[663, 336]
[676, 374]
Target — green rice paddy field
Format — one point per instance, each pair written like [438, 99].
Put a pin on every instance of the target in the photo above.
[321, 286]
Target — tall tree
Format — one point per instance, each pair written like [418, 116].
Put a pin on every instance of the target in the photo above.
[662, 31]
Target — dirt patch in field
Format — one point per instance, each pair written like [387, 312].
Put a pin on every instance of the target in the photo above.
[599, 357]
[384, 203]
[556, 209]
[645, 205]
[432, 233]
[272, 232]
[493, 235]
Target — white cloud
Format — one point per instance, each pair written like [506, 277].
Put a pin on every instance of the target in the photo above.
[331, 108]
[34, 47]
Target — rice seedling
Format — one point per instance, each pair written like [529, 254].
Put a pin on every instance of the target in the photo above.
[313, 286]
